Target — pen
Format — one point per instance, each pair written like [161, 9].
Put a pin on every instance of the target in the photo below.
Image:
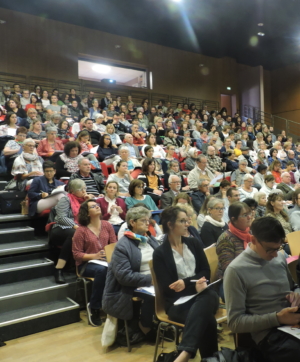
[195, 281]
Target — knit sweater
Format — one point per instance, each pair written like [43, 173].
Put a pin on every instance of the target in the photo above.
[255, 290]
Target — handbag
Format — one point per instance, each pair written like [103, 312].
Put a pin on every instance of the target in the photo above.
[110, 330]
[10, 201]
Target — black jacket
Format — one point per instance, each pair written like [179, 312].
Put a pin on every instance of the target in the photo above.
[198, 198]
[95, 137]
[210, 233]
[165, 267]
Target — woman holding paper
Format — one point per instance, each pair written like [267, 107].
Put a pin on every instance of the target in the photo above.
[9, 125]
[182, 260]
[129, 269]
[50, 144]
[89, 241]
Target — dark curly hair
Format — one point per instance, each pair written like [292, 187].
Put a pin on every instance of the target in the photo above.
[83, 215]
[70, 145]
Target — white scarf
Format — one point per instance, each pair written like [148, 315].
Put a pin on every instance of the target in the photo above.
[219, 224]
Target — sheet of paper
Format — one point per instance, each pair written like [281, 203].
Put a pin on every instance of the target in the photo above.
[100, 262]
[185, 299]
[94, 150]
[290, 330]
[215, 179]
[11, 131]
[149, 290]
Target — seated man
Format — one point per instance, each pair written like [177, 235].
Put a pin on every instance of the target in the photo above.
[198, 197]
[168, 197]
[95, 135]
[120, 128]
[200, 171]
[260, 293]
[142, 131]
[290, 157]
[94, 181]
[214, 162]
[232, 195]
[133, 150]
[286, 186]
[237, 176]
[137, 136]
[224, 186]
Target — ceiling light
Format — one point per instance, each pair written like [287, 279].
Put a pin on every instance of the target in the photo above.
[260, 24]
[201, 65]
[176, 1]
[228, 88]
[2, 21]
[117, 46]
[101, 68]
[261, 34]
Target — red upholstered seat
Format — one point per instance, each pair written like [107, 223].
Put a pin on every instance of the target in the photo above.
[44, 213]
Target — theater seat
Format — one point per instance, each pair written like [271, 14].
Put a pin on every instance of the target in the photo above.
[44, 213]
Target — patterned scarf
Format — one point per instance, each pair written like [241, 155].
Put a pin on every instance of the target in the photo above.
[75, 205]
[133, 236]
[71, 164]
[19, 166]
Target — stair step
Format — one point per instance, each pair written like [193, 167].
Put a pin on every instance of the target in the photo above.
[13, 217]
[2, 185]
[23, 247]
[23, 264]
[32, 286]
[36, 311]
[14, 234]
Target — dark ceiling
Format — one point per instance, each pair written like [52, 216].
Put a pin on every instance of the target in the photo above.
[216, 28]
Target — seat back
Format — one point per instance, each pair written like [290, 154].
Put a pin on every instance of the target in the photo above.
[109, 249]
[104, 169]
[294, 242]
[159, 301]
[212, 258]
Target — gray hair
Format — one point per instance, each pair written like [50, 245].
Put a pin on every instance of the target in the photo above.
[76, 185]
[201, 157]
[136, 213]
[247, 177]
[285, 174]
[140, 109]
[171, 177]
[213, 202]
[259, 135]
[191, 151]
[6, 87]
[200, 181]
[64, 107]
[98, 115]
[51, 129]
[258, 195]
[55, 116]
[123, 147]
[241, 162]
[276, 143]
[82, 159]
[28, 140]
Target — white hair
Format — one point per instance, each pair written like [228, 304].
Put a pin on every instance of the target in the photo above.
[247, 177]
[171, 177]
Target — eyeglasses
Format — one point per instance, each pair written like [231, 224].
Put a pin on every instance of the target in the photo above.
[175, 182]
[140, 187]
[245, 215]
[30, 146]
[219, 208]
[49, 171]
[94, 207]
[144, 221]
[272, 250]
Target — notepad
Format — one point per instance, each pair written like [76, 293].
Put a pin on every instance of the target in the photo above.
[148, 290]
[100, 262]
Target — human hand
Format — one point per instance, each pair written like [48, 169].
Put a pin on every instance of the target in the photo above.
[177, 286]
[288, 316]
[294, 299]
[297, 186]
[100, 255]
[89, 196]
[201, 284]
[119, 209]
[71, 139]
[44, 194]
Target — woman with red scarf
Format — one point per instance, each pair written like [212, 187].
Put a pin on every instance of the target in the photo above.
[66, 222]
[234, 240]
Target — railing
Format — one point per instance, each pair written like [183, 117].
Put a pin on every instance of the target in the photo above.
[84, 86]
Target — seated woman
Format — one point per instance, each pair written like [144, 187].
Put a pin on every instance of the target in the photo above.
[158, 150]
[33, 101]
[171, 138]
[261, 158]
[13, 148]
[98, 125]
[149, 151]
[78, 126]
[246, 190]
[261, 199]
[273, 156]
[170, 151]
[67, 163]
[233, 241]
[27, 165]
[50, 144]
[275, 208]
[231, 162]
[276, 170]
[95, 109]
[184, 126]
[84, 140]
[182, 198]
[113, 208]
[36, 131]
[190, 161]
[153, 185]
[170, 124]
[11, 106]
[88, 244]
[66, 222]
[115, 138]
[185, 147]
[122, 176]
[64, 132]
[134, 167]
[152, 130]
[9, 126]
[106, 149]
[129, 270]
[213, 225]
[174, 169]
[40, 191]
[183, 260]
[203, 212]
[158, 122]
[269, 183]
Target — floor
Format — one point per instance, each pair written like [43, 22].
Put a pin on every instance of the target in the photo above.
[79, 342]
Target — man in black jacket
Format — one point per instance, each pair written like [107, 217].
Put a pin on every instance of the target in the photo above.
[106, 100]
[95, 135]
[120, 128]
[94, 181]
[198, 197]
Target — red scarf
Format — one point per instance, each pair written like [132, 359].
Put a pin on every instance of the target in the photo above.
[243, 235]
[75, 205]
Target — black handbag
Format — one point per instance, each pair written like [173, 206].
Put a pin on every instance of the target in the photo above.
[10, 201]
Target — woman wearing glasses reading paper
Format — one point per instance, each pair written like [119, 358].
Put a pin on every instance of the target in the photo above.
[89, 241]
[182, 260]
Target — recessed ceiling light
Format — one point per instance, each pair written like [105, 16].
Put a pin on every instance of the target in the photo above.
[201, 65]
[176, 1]
[117, 46]
[101, 68]
[2, 21]
[228, 88]
[260, 24]
[261, 34]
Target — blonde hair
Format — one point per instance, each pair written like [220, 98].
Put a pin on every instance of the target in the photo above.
[111, 126]
[190, 210]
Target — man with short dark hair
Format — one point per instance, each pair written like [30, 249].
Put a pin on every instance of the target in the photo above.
[6, 94]
[54, 107]
[261, 295]
[232, 195]
[90, 99]
[95, 135]
[119, 127]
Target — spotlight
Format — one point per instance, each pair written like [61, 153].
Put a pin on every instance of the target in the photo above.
[111, 81]
[228, 88]
[176, 1]
[261, 34]
[101, 68]
[260, 24]
[2, 21]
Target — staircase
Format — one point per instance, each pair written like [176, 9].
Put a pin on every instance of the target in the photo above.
[30, 300]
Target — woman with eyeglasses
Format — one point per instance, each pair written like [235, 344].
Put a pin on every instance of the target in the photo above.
[191, 159]
[183, 261]
[88, 244]
[275, 208]
[128, 270]
[213, 225]
[233, 241]
[106, 149]
[174, 169]
[50, 144]
[246, 190]
[66, 222]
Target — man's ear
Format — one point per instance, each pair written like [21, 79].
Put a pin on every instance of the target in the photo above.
[254, 240]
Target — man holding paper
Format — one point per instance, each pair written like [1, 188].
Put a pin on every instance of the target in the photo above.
[261, 295]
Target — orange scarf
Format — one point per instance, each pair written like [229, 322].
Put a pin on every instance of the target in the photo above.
[243, 235]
